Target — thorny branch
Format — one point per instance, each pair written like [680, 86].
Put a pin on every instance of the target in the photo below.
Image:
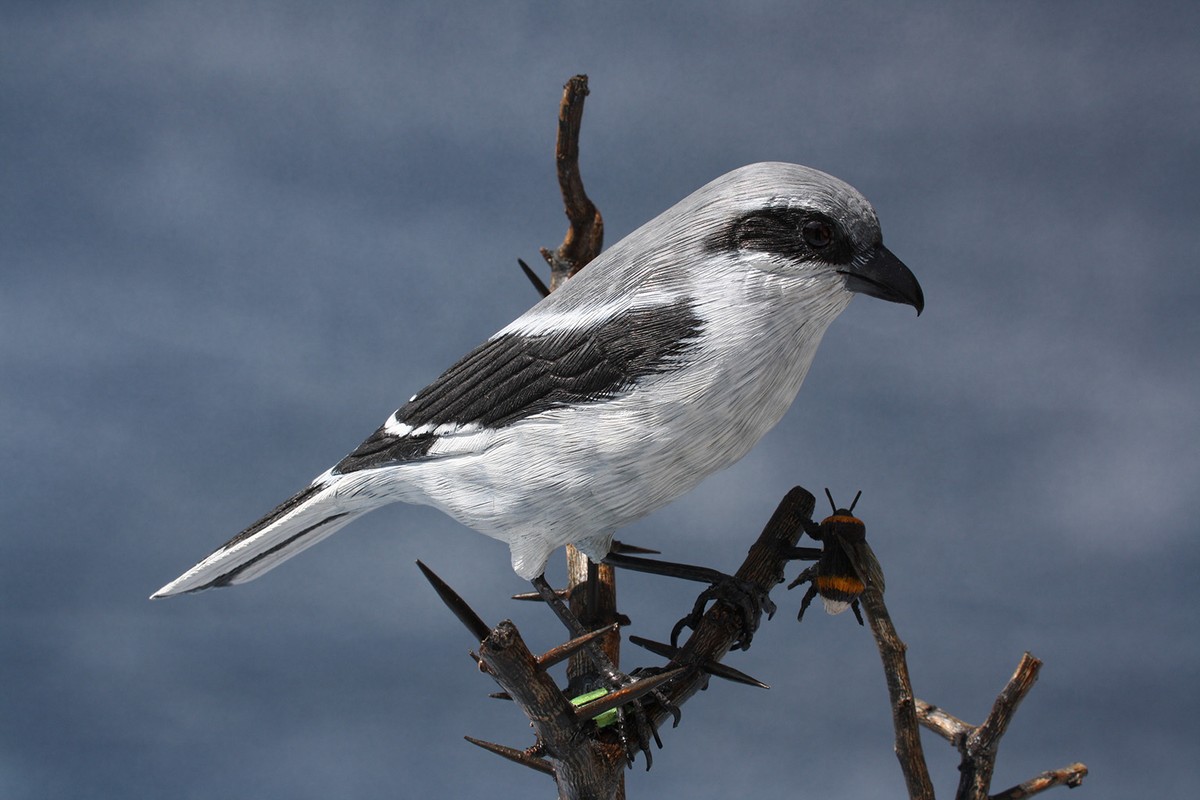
[587, 759]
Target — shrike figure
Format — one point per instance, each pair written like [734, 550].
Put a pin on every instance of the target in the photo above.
[663, 361]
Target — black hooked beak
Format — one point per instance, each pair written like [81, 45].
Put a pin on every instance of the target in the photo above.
[883, 275]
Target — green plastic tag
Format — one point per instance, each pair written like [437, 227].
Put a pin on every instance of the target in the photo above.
[605, 719]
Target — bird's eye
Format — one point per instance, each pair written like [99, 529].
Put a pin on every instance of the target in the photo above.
[817, 234]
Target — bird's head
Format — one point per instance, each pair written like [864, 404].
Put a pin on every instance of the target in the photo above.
[792, 219]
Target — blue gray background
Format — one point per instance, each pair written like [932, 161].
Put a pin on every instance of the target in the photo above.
[234, 237]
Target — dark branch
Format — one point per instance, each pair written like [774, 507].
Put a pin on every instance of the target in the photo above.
[722, 626]
[585, 235]
[587, 760]
[583, 767]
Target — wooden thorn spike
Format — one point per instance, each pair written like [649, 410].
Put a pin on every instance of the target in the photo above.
[567, 649]
[465, 615]
[625, 695]
[633, 549]
[714, 668]
[541, 288]
[658, 648]
[514, 755]
[534, 597]
[726, 672]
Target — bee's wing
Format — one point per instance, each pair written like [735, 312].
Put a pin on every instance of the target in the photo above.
[866, 565]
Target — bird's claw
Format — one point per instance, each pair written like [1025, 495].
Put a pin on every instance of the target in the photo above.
[635, 723]
[643, 730]
[642, 719]
[746, 597]
[658, 695]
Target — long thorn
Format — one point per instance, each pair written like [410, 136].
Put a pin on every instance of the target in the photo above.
[535, 597]
[514, 755]
[465, 614]
[658, 648]
[632, 549]
[714, 668]
[567, 649]
[670, 569]
[801, 553]
[533, 278]
[625, 695]
[604, 665]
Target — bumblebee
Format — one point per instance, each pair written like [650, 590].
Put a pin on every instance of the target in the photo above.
[846, 565]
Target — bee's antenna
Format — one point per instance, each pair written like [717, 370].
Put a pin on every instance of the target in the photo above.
[852, 505]
[832, 504]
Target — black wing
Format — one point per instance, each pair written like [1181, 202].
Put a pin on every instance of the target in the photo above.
[514, 376]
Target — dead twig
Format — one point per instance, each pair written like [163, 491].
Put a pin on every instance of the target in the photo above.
[978, 745]
[585, 236]
[1069, 776]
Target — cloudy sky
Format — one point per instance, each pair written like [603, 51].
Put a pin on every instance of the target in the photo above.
[234, 237]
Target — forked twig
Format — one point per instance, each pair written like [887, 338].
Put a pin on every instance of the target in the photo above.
[978, 745]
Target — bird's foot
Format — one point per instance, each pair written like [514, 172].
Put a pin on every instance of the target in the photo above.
[746, 597]
[640, 719]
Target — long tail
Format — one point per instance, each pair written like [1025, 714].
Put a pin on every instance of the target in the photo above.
[297, 523]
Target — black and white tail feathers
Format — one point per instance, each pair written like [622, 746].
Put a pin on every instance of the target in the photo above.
[297, 523]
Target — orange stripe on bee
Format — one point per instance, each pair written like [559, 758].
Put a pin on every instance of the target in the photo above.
[848, 585]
